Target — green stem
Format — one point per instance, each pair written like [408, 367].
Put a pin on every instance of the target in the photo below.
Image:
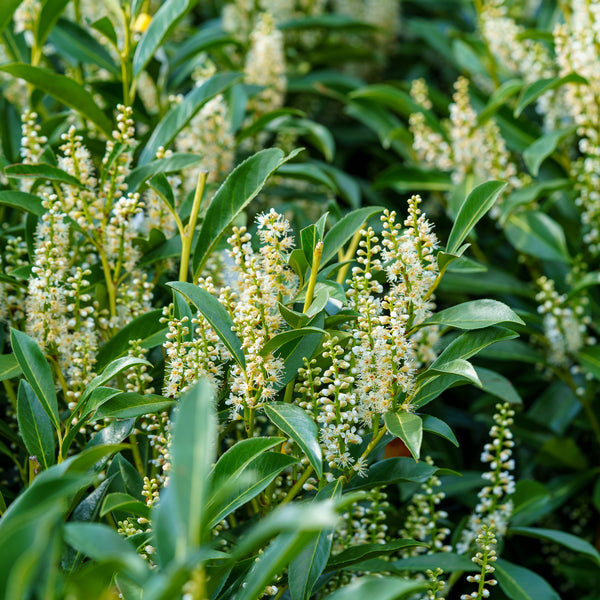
[188, 234]
[310, 292]
[341, 276]
[297, 486]
[137, 457]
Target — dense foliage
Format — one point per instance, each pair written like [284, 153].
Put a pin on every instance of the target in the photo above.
[299, 299]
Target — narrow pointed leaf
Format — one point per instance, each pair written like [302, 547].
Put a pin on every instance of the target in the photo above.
[9, 367]
[541, 86]
[439, 427]
[392, 470]
[23, 201]
[478, 202]
[543, 147]
[8, 8]
[287, 336]
[216, 314]
[408, 427]
[128, 405]
[42, 171]
[112, 370]
[362, 552]
[459, 366]
[519, 583]
[535, 233]
[65, 90]
[382, 588]
[37, 371]
[35, 426]
[498, 385]
[241, 186]
[344, 229]
[297, 424]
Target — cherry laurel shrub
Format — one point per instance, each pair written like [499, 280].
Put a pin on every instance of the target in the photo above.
[229, 352]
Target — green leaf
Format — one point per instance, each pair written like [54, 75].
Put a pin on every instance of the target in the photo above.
[404, 179]
[499, 99]
[103, 544]
[439, 427]
[308, 241]
[163, 22]
[475, 314]
[535, 233]
[297, 424]
[319, 136]
[49, 14]
[112, 370]
[106, 28]
[448, 561]
[478, 202]
[392, 470]
[284, 337]
[306, 568]
[127, 405]
[42, 171]
[408, 427]
[362, 552]
[146, 328]
[65, 90]
[344, 229]
[589, 359]
[35, 426]
[532, 92]
[249, 479]
[519, 583]
[216, 314]
[37, 371]
[170, 164]
[431, 388]
[176, 118]
[543, 147]
[471, 343]
[498, 385]
[458, 366]
[78, 46]
[241, 186]
[8, 8]
[193, 451]
[23, 201]
[568, 540]
[9, 367]
[126, 503]
[382, 588]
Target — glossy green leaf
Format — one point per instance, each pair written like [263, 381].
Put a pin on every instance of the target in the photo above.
[78, 46]
[48, 16]
[241, 186]
[112, 370]
[458, 366]
[392, 470]
[382, 588]
[307, 566]
[499, 98]
[519, 583]
[475, 314]
[216, 314]
[498, 385]
[408, 427]
[246, 483]
[284, 337]
[563, 538]
[448, 561]
[42, 171]
[146, 328]
[174, 121]
[163, 22]
[433, 387]
[318, 135]
[344, 229]
[126, 503]
[8, 8]
[35, 426]
[439, 427]
[23, 201]
[362, 552]
[478, 202]
[37, 371]
[65, 90]
[101, 543]
[106, 28]
[543, 147]
[532, 92]
[404, 179]
[169, 164]
[535, 233]
[9, 367]
[193, 451]
[298, 425]
[127, 405]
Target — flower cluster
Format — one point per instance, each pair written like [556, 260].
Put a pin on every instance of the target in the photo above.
[565, 322]
[494, 507]
[486, 542]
